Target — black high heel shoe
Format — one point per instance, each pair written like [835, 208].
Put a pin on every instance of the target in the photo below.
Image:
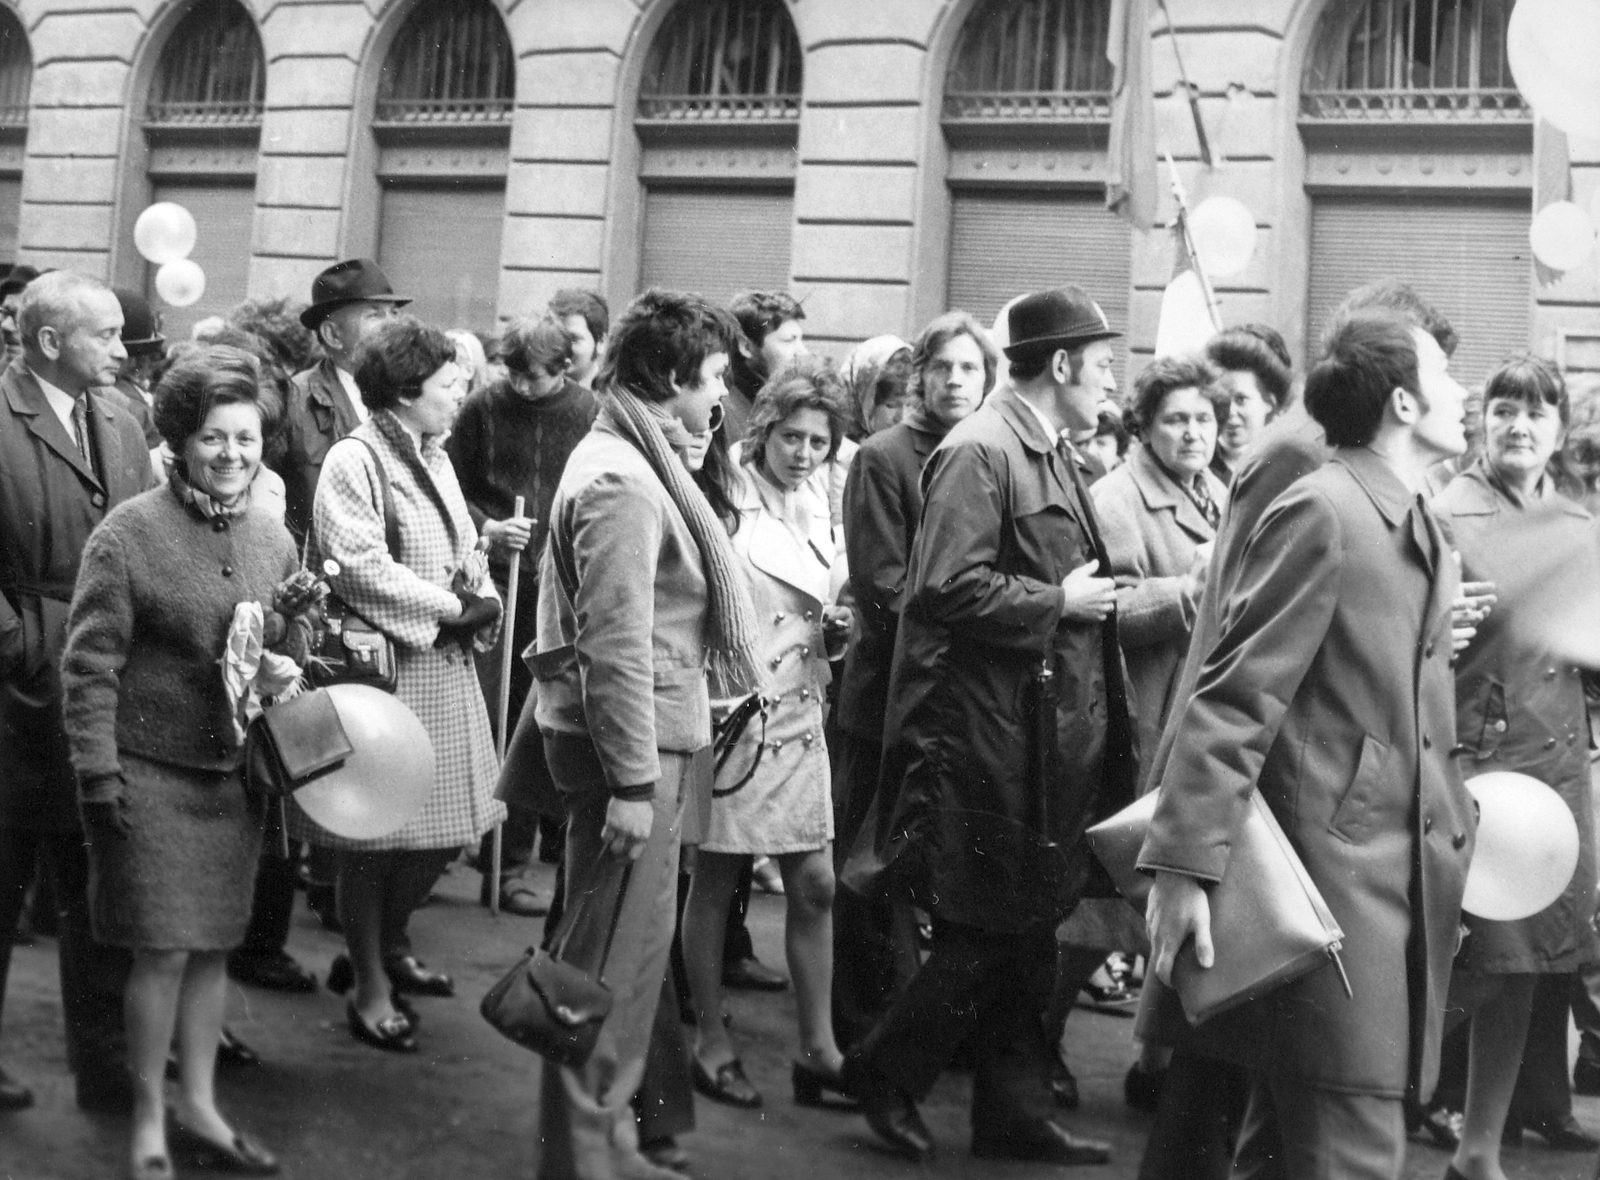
[244, 1156]
[728, 1085]
[811, 1084]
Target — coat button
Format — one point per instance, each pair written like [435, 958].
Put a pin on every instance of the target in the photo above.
[776, 660]
[805, 651]
[1549, 673]
[1427, 825]
[1499, 726]
[227, 571]
[777, 746]
[808, 737]
[1458, 841]
[779, 617]
[1427, 652]
[805, 694]
[811, 616]
[1427, 742]
[777, 700]
[220, 524]
[98, 500]
[1551, 744]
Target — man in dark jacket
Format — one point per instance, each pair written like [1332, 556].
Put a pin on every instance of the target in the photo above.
[68, 455]
[1007, 731]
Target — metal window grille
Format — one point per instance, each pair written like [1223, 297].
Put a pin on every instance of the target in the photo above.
[1413, 60]
[451, 64]
[724, 60]
[212, 71]
[16, 71]
[1039, 60]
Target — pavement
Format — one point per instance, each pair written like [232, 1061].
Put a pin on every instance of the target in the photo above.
[465, 1106]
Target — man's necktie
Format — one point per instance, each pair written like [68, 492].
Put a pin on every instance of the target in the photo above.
[80, 426]
[1201, 495]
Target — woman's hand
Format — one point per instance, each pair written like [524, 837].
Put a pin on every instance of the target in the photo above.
[628, 824]
[1477, 599]
[298, 593]
[510, 535]
[836, 623]
[104, 803]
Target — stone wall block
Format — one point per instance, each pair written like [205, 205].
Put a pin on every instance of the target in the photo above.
[568, 79]
[64, 227]
[1155, 253]
[49, 179]
[844, 192]
[855, 311]
[582, 133]
[528, 292]
[851, 134]
[77, 36]
[316, 30]
[311, 82]
[80, 84]
[552, 243]
[297, 233]
[563, 189]
[851, 20]
[883, 72]
[316, 181]
[278, 278]
[305, 132]
[1216, 58]
[562, 24]
[77, 131]
[828, 252]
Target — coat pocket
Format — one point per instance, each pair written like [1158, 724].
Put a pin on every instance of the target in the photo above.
[1485, 727]
[1356, 817]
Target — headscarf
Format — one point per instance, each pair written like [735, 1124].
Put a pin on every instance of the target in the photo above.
[861, 370]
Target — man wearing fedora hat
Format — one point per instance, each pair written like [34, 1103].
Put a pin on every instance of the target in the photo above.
[1006, 732]
[347, 299]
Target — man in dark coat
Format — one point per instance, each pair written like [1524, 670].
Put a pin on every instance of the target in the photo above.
[1007, 732]
[1330, 691]
[68, 454]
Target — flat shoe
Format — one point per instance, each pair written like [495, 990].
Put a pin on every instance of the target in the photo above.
[728, 1086]
[1566, 1135]
[393, 1033]
[811, 1084]
[1043, 1142]
[244, 1156]
[409, 975]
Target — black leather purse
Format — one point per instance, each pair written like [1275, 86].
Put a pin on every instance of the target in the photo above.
[553, 1005]
[294, 742]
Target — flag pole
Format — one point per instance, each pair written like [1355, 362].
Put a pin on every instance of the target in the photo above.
[507, 654]
[1188, 243]
[1189, 89]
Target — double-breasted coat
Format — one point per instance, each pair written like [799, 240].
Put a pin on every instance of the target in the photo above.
[318, 415]
[1152, 530]
[1007, 729]
[1520, 707]
[51, 499]
[786, 545]
[1330, 691]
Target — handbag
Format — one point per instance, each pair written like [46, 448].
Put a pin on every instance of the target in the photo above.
[345, 648]
[294, 742]
[1269, 924]
[554, 1005]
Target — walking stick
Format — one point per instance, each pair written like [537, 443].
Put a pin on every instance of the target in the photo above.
[507, 654]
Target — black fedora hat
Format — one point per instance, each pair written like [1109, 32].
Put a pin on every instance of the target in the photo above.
[351, 281]
[1063, 317]
[19, 277]
[141, 325]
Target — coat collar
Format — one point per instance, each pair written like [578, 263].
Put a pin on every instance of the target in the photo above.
[772, 546]
[1161, 492]
[324, 387]
[1020, 417]
[1378, 480]
[1474, 493]
[27, 399]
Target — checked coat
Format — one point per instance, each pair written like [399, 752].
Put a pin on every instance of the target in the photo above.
[407, 601]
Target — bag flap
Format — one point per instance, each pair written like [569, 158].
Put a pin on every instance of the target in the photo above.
[1117, 841]
[307, 734]
[572, 997]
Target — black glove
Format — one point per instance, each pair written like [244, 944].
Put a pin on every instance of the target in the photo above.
[104, 802]
[476, 613]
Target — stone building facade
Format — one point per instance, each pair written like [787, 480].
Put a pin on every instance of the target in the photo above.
[883, 160]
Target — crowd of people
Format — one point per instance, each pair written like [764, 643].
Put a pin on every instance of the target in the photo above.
[886, 635]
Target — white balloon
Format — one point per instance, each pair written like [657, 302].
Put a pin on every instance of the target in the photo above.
[1562, 235]
[1224, 232]
[1526, 848]
[181, 282]
[383, 785]
[1551, 45]
[165, 232]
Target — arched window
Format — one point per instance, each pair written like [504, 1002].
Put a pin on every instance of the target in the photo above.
[443, 125]
[1410, 60]
[1032, 59]
[724, 59]
[451, 63]
[16, 79]
[202, 129]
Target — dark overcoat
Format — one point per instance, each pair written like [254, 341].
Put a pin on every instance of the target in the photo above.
[1520, 707]
[50, 501]
[1330, 691]
[1007, 729]
[318, 415]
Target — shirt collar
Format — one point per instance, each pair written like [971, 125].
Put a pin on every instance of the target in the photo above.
[353, 392]
[1050, 431]
[61, 402]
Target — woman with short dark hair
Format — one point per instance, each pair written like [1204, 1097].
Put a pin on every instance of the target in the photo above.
[171, 582]
[436, 602]
[1257, 381]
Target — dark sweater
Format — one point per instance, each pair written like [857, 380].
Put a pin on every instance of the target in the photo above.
[504, 445]
[150, 615]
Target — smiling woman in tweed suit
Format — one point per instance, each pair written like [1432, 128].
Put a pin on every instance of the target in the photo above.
[409, 380]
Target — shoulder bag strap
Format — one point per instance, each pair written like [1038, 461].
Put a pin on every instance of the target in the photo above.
[391, 519]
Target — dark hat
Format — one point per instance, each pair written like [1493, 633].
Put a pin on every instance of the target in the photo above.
[354, 280]
[141, 326]
[1063, 317]
[19, 277]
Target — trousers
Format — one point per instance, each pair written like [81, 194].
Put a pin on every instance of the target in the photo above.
[1294, 1131]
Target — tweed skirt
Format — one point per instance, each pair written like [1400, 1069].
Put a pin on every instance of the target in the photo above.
[184, 876]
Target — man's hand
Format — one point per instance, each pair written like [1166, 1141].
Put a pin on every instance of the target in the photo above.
[1178, 908]
[1087, 598]
[627, 827]
[511, 534]
[1471, 608]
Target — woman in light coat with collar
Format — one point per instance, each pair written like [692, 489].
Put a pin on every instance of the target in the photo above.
[773, 788]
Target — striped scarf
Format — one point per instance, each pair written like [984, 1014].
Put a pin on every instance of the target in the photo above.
[732, 615]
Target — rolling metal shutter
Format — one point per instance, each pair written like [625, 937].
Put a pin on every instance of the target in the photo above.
[440, 244]
[716, 243]
[1006, 244]
[1468, 256]
[224, 216]
[10, 210]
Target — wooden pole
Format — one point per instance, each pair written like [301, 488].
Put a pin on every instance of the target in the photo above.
[1188, 242]
[507, 654]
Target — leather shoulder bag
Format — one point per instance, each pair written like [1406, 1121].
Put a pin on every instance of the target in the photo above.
[293, 743]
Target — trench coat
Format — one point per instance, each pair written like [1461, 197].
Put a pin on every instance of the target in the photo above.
[50, 501]
[318, 415]
[786, 546]
[1521, 708]
[1330, 691]
[1007, 729]
[1152, 530]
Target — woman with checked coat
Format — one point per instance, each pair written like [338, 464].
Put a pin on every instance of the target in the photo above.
[438, 609]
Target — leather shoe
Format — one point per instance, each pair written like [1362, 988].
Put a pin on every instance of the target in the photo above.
[409, 975]
[1565, 1135]
[665, 1152]
[105, 1092]
[342, 977]
[728, 1085]
[244, 1156]
[393, 1034]
[752, 975]
[13, 1094]
[1041, 1142]
[276, 971]
[890, 1112]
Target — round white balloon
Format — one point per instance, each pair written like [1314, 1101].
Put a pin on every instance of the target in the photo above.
[1551, 47]
[165, 232]
[1224, 232]
[382, 786]
[181, 283]
[1526, 849]
[1562, 235]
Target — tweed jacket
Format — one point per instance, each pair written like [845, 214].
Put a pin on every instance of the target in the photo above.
[408, 600]
[621, 654]
[1152, 530]
[50, 501]
[154, 602]
[1330, 692]
[318, 415]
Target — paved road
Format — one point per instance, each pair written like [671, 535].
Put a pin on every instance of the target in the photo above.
[464, 1107]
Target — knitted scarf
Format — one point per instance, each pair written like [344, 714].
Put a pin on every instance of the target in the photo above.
[207, 506]
[917, 417]
[389, 429]
[732, 615]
